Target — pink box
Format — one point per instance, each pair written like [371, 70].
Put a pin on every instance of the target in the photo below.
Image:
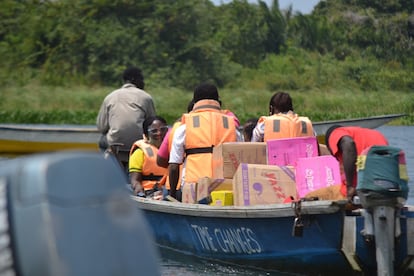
[313, 173]
[284, 152]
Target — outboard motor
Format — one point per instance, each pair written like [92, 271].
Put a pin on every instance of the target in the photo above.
[70, 213]
[382, 189]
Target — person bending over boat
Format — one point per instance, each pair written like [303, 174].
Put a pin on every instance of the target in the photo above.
[122, 113]
[282, 122]
[346, 143]
[146, 176]
[203, 128]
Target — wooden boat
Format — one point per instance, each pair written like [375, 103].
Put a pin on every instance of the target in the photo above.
[17, 139]
[20, 139]
[263, 236]
[367, 122]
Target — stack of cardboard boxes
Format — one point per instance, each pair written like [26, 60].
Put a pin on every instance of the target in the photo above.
[276, 171]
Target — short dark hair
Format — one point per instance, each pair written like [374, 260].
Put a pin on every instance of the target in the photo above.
[147, 122]
[248, 127]
[280, 102]
[328, 134]
[205, 91]
[134, 75]
[190, 106]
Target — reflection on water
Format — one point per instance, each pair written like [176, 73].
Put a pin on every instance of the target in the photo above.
[174, 263]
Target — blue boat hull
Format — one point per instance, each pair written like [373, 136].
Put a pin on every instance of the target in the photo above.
[261, 236]
[239, 237]
[258, 242]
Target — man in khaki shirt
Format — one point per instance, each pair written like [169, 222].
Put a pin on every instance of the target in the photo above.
[122, 113]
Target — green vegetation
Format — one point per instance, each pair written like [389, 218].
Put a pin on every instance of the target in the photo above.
[347, 59]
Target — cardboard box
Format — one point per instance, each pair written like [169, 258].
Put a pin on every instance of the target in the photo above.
[283, 152]
[255, 184]
[200, 192]
[226, 185]
[228, 156]
[189, 193]
[222, 198]
[318, 172]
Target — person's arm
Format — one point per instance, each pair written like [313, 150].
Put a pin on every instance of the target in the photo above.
[102, 122]
[176, 158]
[136, 161]
[349, 157]
[149, 104]
[162, 162]
[136, 180]
[173, 172]
[163, 153]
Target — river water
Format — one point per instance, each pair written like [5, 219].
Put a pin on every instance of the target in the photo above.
[173, 263]
[177, 264]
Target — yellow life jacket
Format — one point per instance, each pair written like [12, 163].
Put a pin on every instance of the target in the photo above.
[287, 125]
[151, 173]
[206, 127]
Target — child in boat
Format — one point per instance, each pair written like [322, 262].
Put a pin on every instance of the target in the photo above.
[145, 175]
[248, 127]
[282, 121]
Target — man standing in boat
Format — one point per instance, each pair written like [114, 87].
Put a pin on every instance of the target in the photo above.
[122, 113]
[346, 143]
[203, 128]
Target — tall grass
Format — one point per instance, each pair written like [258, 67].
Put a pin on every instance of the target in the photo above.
[322, 88]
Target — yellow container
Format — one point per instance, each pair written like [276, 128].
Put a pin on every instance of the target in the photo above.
[221, 198]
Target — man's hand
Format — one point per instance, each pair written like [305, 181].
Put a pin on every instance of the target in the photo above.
[351, 192]
[138, 189]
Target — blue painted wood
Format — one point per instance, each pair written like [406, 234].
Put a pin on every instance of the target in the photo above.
[260, 242]
[245, 236]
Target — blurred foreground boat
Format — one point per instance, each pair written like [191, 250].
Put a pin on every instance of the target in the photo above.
[19, 139]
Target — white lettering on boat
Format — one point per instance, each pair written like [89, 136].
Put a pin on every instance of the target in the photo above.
[204, 237]
[227, 240]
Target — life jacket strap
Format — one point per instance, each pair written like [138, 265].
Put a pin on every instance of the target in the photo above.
[199, 150]
[152, 177]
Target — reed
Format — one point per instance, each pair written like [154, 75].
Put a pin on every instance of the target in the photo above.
[322, 87]
[80, 104]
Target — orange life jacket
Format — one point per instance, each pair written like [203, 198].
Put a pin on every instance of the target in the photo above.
[287, 125]
[151, 173]
[206, 127]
